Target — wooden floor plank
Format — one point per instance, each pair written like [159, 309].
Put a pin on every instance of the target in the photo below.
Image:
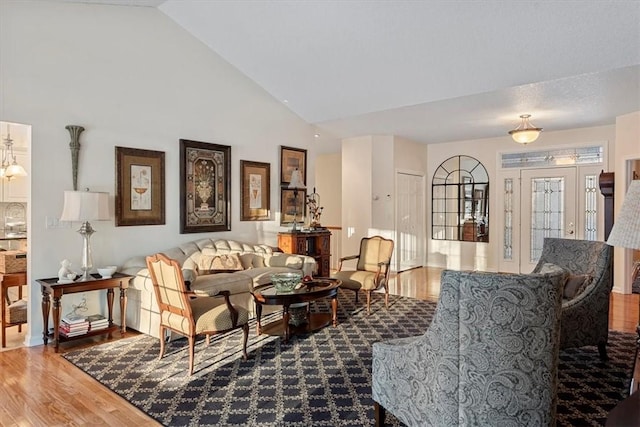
[38, 387]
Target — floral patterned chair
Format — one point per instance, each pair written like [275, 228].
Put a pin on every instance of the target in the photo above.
[489, 357]
[585, 311]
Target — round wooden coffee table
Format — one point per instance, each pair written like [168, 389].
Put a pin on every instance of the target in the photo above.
[310, 291]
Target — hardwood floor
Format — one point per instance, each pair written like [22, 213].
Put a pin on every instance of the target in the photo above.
[38, 387]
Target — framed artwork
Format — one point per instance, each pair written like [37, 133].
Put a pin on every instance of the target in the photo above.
[255, 181]
[205, 187]
[292, 206]
[139, 187]
[291, 159]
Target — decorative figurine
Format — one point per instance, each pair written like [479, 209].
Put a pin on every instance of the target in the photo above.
[65, 273]
[315, 210]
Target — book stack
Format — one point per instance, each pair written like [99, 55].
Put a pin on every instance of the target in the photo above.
[73, 325]
[97, 322]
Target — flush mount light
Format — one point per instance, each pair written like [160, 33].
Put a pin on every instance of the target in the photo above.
[525, 132]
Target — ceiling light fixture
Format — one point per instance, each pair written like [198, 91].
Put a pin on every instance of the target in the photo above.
[10, 170]
[525, 132]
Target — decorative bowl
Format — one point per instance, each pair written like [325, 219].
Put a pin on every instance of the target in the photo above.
[107, 272]
[286, 282]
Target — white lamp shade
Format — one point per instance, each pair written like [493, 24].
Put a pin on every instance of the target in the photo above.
[85, 206]
[525, 136]
[626, 228]
[296, 181]
[15, 170]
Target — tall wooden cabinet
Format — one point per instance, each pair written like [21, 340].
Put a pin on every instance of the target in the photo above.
[316, 244]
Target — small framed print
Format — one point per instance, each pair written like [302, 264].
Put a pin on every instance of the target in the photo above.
[291, 159]
[292, 206]
[205, 187]
[255, 181]
[140, 198]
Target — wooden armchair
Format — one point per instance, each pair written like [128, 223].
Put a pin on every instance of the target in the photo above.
[372, 269]
[182, 312]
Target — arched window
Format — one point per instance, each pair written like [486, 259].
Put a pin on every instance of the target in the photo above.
[460, 195]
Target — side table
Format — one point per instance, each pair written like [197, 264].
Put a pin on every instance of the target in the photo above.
[52, 287]
[8, 280]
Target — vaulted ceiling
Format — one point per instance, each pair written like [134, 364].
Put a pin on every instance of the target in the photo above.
[431, 71]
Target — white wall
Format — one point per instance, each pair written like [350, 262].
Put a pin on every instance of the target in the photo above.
[357, 166]
[627, 149]
[329, 186]
[470, 255]
[132, 78]
[383, 190]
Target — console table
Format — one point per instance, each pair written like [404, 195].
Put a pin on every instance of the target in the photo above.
[52, 287]
[316, 244]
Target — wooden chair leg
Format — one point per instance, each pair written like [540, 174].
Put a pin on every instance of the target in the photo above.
[192, 344]
[161, 341]
[368, 302]
[206, 340]
[379, 414]
[356, 296]
[386, 296]
[245, 330]
[602, 349]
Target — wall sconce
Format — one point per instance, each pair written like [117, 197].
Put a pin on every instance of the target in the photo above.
[525, 132]
[9, 169]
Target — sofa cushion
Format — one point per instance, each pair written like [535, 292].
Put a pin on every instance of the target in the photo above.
[210, 261]
[211, 284]
[284, 260]
[250, 260]
[576, 284]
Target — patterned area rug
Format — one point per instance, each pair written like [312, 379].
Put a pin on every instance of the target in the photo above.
[320, 379]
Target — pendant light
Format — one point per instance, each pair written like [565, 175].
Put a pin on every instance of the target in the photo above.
[10, 170]
[525, 132]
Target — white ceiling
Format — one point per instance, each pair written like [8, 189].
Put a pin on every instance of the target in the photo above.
[431, 71]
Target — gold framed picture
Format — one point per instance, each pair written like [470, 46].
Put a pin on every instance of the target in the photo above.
[292, 158]
[255, 181]
[140, 198]
[292, 206]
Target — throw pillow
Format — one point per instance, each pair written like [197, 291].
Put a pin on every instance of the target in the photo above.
[213, 263]
[575, 285]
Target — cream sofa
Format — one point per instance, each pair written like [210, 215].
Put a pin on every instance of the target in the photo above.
[243, 266]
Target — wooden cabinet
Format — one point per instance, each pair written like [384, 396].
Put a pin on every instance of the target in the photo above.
[316, 244]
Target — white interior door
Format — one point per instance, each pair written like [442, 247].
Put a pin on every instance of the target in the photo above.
[409, 246]
[548, 210]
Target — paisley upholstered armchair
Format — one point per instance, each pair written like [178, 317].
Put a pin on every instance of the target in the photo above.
[585, 310]
[489, 357]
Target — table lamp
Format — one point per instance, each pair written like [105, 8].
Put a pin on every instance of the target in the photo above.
[85, 206]
[295, 185]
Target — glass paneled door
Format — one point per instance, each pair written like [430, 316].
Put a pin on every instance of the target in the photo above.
[548, 210]
[558, 202]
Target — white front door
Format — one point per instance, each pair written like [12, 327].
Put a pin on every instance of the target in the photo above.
[549, 206]
[409, 245]
[554, 202]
